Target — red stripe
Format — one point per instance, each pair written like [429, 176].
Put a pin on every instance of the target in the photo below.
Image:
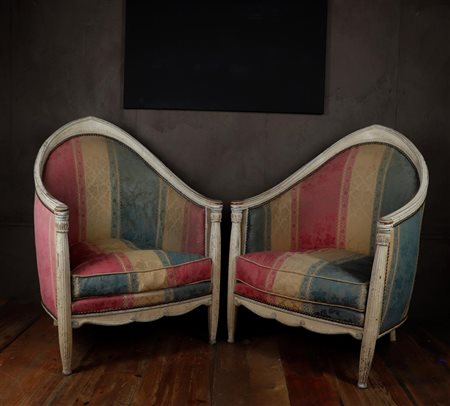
[194, 229]
[353, 152]
[44, 231]
[295, 220]
[189, 273]
[319, 205]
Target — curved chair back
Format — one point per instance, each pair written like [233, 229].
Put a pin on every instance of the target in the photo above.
[112, 192]
[338, 204]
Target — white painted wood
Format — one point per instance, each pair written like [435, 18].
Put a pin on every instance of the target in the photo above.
[65, 320]
[235, 251]
[298, 320]
[63, 292]
[374, 307]
[144, 314]
[215, 254]
[393, 336]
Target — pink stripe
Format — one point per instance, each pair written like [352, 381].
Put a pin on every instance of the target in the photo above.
[44, 231]
[189, 273]
[194, 229]
[60, 180]
[295, 220]
[319, 205]
[247, 291]
[353, 152]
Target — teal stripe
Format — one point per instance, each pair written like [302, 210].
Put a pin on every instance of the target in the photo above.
[162, 213]
[257, 229]
[400, 278]
[187, 292]
[139, 198]
[171, 258]
[402, 183]
[114, 179]
[345, 284]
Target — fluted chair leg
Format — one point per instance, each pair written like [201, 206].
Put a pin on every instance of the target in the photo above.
[213, 319]
[65, 347]
[393, 336]
[231, 318]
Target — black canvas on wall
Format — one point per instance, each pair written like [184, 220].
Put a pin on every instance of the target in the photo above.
[245, 55]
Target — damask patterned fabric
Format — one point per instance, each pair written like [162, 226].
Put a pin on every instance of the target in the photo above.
[134, 300]
[401, 270]
[338, 205]
[112, 193]
[44, 234]
[307, 282]
[112, 267]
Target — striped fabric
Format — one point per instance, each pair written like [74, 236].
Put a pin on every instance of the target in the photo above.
[134, 300]
[401, 270]
[112, 193]
[44, 234]
[113, 267]
[338, 205]
[310, 282]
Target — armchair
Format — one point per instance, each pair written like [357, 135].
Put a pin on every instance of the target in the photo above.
[119, 238]
[334, 247]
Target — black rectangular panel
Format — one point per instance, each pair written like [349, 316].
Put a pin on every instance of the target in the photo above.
[246, 55]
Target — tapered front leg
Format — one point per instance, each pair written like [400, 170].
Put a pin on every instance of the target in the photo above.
[63, 293]
[215, 254]
[235, 250]
[372, 317]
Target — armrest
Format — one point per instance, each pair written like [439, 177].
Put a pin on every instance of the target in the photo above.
[45, 237]
[401, 266]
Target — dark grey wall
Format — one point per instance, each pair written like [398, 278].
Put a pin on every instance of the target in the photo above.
[388, 62]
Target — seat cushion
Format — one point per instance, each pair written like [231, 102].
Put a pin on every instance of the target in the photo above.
[117, 267]
[96, 304]
[328, 281]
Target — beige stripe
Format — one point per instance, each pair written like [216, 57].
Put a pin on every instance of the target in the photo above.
[287, 283]
[280, 210]
[174, 221]
[98, 187]
[361, 198]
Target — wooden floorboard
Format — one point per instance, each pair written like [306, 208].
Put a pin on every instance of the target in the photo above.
[169, 362]
[15, 318]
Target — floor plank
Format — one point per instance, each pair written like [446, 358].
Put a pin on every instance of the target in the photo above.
[427, 381]
[169, 362]
[16, 318]
[307, 368]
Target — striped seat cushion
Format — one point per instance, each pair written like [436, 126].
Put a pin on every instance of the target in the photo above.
[133, 300]
[330, 283]
[117, 267]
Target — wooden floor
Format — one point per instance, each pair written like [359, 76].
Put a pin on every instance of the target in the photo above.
[169, 362]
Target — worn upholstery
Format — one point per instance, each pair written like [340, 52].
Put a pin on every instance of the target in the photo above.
[401, 270]
[338, 205]
[134, 240]
[44, 234]
[326, 283]
[112, 193]
[310, 250]
[110, 267]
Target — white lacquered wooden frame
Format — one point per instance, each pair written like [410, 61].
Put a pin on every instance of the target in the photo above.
[65, 320]
[370, 332]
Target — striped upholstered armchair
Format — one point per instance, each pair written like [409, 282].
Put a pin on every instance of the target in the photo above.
[334, 247]
[119, 238]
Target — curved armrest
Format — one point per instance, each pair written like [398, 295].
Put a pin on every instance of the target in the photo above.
[400, 269]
